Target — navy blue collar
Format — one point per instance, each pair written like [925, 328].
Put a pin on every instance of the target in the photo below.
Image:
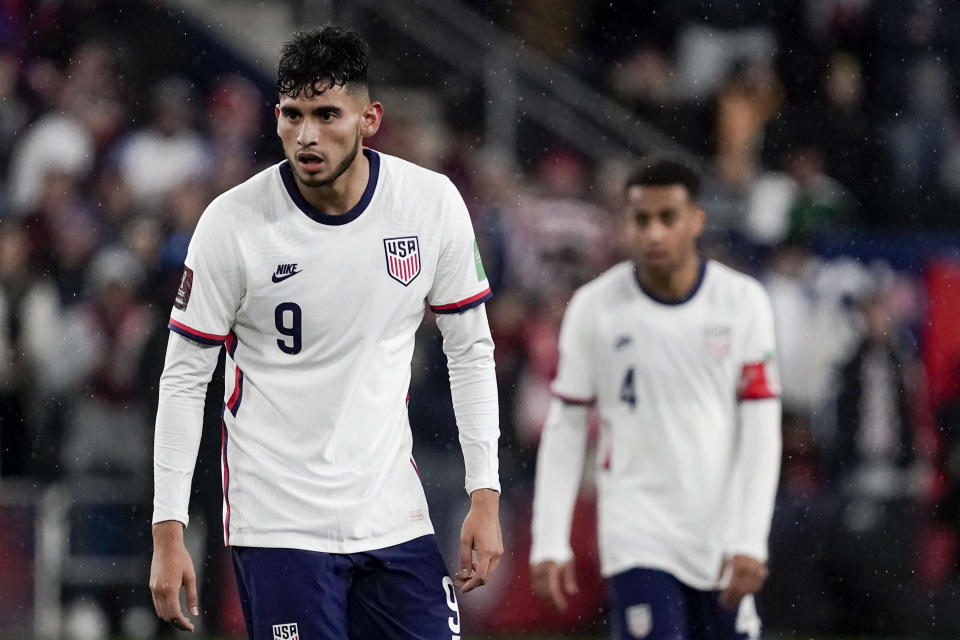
[290, 182]
[696, 287]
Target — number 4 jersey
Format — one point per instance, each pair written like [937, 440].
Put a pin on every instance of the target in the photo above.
[668, 379]
[318, 314]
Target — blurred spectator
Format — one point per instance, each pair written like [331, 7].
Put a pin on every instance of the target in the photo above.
[872, 550]
[558, 240]
[234, 112]
[29, 326]
[14, 114]
[948, 507]
[788, 283]
[56, 142]
[64, 231]
[88, 115]
[114, 203]
[495, 178]
[820, 203]
[707, 53]
[182, 210]
[160, 157]
[98, 372]
[852, 147]
[747, 101]
[804, 203]
[924, 135]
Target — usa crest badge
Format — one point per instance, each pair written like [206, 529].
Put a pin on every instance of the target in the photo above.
[717, 340]
[403, 258]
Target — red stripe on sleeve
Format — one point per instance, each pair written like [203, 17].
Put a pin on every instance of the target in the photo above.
[199, 334]
[457, 305]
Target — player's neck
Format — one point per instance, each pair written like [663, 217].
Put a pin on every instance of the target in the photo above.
[344, 193]
[676, 284]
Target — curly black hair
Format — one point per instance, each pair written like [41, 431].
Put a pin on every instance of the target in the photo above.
[313, 61]
[662, 172]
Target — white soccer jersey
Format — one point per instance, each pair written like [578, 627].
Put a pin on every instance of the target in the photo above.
[318, 314]
[667, 380]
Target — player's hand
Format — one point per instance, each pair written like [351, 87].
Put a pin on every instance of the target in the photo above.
[480, 533]
[553, 582]
[747, 576]
[170, 570]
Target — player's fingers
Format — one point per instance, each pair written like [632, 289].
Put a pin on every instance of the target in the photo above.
[730, 597]
[568, 573]
[494, 561]
[193, 602]
[181, 622]
[539, 580]
[466, 555]
[481, 573]
[554, 590]
[169, 611]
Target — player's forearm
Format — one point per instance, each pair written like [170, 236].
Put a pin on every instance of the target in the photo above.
[473, 387]
[559, 467]
[756, 476]
[183, 386]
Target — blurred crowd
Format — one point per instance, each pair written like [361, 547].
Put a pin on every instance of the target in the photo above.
[814, 115]
[812, 120]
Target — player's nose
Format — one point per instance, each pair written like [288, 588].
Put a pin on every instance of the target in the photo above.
[655, 233]
[308, 133]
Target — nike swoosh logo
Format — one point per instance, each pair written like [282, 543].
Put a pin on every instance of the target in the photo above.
[277, 278]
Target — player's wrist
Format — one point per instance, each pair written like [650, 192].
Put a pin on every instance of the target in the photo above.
[168, 532]
[485, 497]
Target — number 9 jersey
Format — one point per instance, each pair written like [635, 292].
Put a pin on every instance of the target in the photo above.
[318, 314]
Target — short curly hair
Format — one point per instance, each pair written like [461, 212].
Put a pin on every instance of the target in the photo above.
[662, 172]
[313, 61]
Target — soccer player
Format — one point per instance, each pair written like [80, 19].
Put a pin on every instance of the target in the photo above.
[315, 274]
[676, 352]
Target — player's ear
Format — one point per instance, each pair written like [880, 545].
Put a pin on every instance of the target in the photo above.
[370, 119]
[699, 220]
[276, 111]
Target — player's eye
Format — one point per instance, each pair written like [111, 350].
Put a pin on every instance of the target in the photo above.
[290, 115]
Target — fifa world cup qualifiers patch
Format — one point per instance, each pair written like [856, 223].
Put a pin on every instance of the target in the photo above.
[481, 274]
[183, 293]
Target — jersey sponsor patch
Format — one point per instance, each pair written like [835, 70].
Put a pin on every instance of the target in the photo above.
[183, 292]
[286, 631]
[403, 258]
[758, 380]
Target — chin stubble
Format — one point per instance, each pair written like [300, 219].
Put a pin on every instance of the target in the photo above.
[309, 181]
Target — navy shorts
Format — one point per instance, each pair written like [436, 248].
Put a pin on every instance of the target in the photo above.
[653, 605]
[397, 592]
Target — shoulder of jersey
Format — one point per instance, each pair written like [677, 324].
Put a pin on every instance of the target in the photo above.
[244, 197]
[739, 283]
[614, 279]
[406, 170]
